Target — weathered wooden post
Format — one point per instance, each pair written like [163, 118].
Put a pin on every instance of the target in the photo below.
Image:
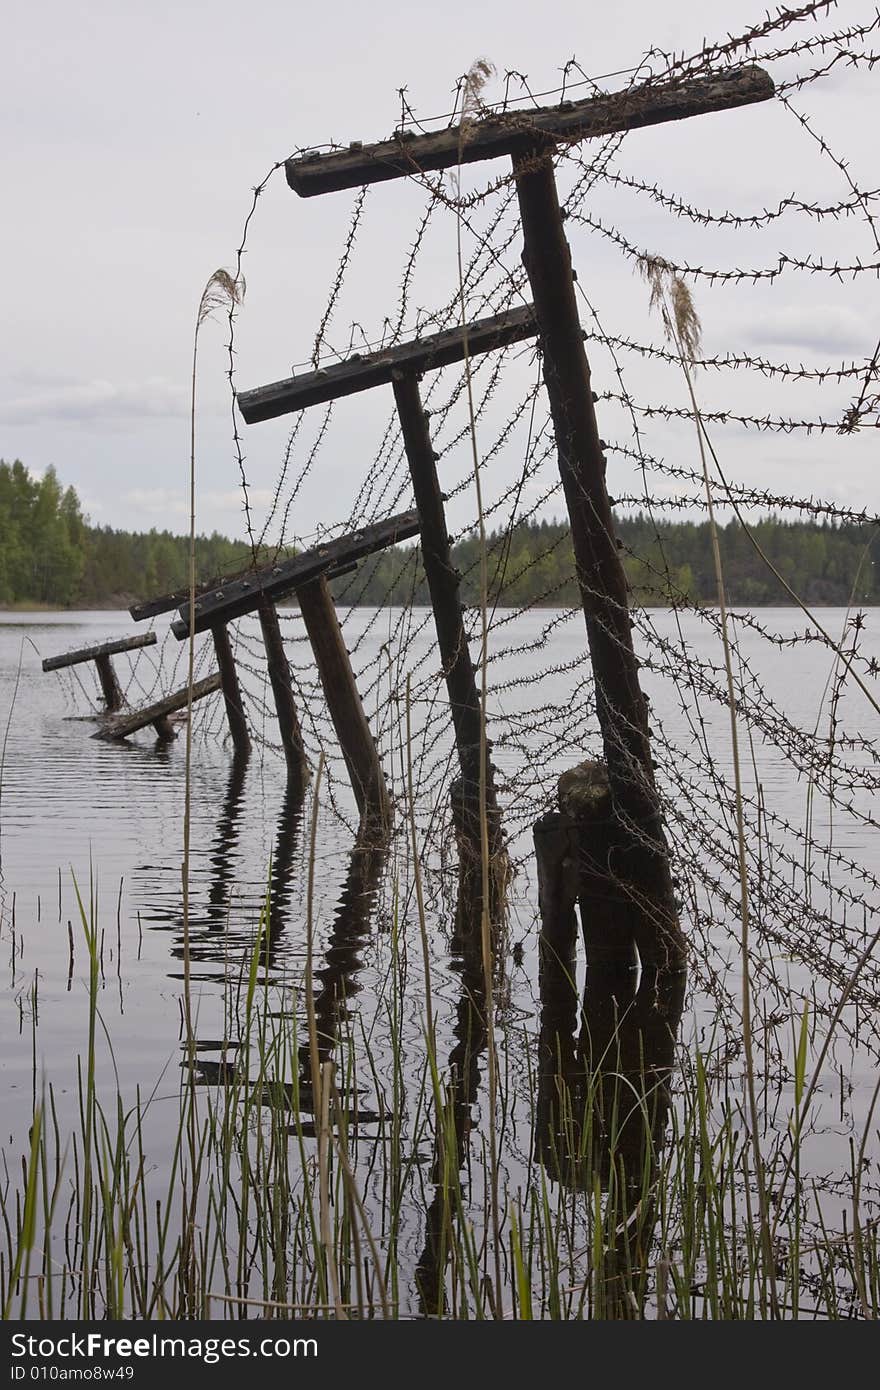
[101, 655]
[344, 702]
[639, 852]
[620, 705]
[235, 716]
[458, 669]
[110, 686]
[282, 690]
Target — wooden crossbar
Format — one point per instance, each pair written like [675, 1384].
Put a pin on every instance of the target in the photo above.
[515, 132]
[121, 725]
[244, 595]
[165, 603]
[121, 644]
[363, 371]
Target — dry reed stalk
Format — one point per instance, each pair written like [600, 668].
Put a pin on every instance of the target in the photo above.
[671, 295]
[220, 291]
[472, 105]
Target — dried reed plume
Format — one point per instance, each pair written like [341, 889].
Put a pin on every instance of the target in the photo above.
[673, 298]
[221, 291]
[478, 74]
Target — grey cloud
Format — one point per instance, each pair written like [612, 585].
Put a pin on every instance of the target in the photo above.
[821, 328]
[98, 400]
[162, 500]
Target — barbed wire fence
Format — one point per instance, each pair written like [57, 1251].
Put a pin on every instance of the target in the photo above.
[815, 896]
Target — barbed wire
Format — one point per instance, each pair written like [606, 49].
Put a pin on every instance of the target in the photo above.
[813, 893]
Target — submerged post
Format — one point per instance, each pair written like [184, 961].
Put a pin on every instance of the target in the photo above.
[101, 655]
[119, 726]
[110, 687]
[231, 689]
[282, 689]
[344, 703]
[620, 704]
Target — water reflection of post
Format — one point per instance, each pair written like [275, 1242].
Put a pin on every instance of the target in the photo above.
[603, 1105]
[453, 1134]
[224, 842]
[281, 878]
[348, 936]
[215, 945]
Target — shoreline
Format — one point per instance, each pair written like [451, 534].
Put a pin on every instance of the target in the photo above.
[105, 607]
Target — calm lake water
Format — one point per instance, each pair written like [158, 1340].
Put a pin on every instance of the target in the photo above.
[81, 812]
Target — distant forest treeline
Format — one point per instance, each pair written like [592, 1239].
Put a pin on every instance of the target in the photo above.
[49, 554]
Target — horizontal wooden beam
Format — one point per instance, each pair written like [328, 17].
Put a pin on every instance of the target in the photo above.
[166, 603]
[273, 582]
[121, 725]
[363, 371]
[122, 644]
[515, 132]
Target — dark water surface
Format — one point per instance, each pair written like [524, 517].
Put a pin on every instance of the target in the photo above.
[109, 818]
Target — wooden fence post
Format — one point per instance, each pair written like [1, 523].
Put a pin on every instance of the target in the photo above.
[110, 686]
[344, 702]
[620, 704]
[282, 689]
[231, 689]
[101, 654]
[458, 669]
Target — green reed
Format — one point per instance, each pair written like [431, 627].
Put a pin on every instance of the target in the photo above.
[274, 1202]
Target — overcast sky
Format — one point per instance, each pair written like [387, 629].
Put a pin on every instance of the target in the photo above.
[132, 137]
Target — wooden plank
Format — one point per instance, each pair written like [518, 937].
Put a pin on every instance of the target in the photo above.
[243, 595]
[165, 603]
[121, 644]
[121, 725]
[362, 372]
[516, 131]
[344, 703]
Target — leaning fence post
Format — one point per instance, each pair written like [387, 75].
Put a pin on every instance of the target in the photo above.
[231, 689]
[110, 686]
[458, 670]
[282, 689]
[620, 704]
[344, 702]
[119, 726]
